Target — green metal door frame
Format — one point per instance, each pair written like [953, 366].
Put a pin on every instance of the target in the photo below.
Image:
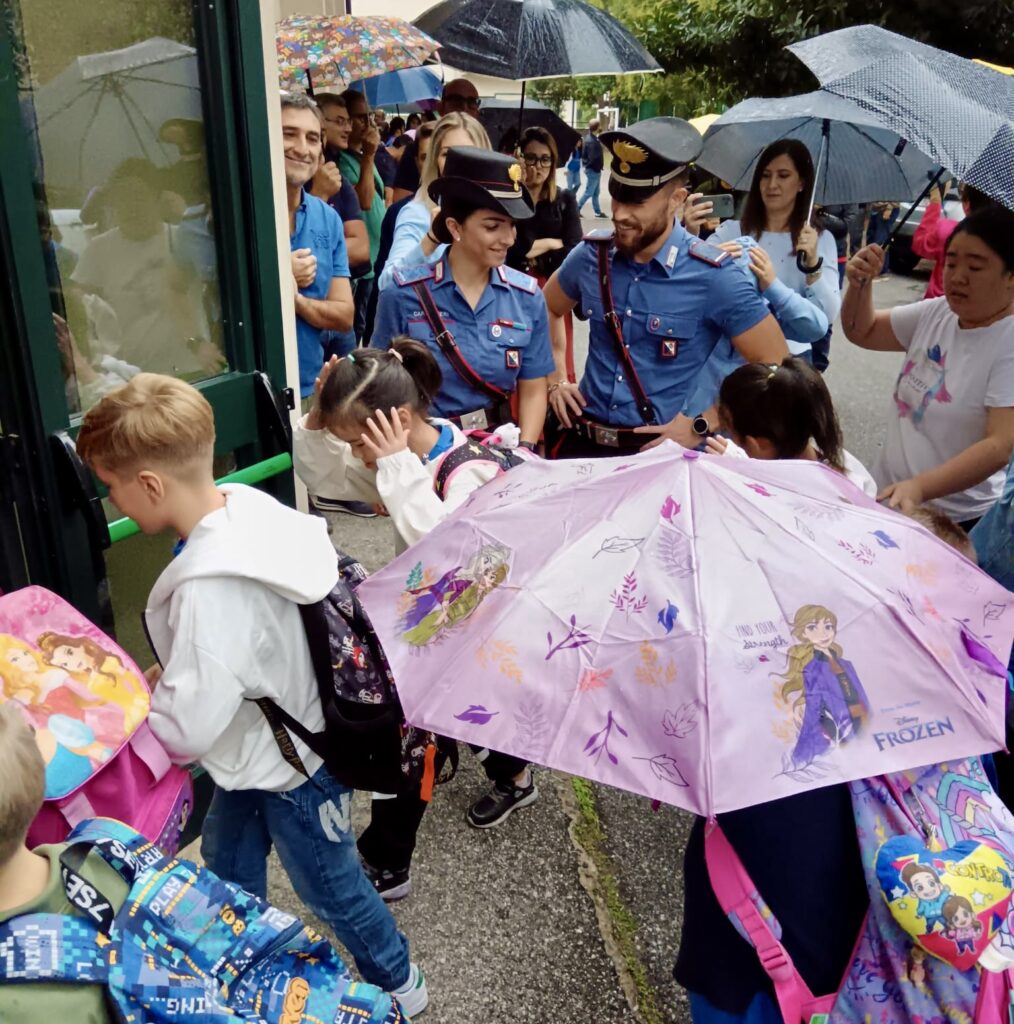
[33, 408]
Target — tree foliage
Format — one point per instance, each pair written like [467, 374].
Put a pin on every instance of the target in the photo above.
[717, 52]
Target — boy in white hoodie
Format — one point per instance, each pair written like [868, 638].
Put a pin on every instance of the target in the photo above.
[223, 622]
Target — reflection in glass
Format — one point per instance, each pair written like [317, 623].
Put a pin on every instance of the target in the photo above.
[122, 193]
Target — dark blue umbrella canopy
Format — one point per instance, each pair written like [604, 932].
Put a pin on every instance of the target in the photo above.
[956, 111]
[522, 39]
[862, 161]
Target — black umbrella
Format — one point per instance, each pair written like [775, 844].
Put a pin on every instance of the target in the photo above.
[522, 39]
[502, 116]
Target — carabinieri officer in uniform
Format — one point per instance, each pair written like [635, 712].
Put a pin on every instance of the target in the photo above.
[657, 300]
[485, 322]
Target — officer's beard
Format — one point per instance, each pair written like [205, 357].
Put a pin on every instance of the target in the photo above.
[631, 242]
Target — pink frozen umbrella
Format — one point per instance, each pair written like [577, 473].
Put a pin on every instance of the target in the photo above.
[705, 631]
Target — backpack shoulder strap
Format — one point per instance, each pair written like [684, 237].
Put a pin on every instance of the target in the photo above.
[738, 897]
[472, 451]
[75, 950]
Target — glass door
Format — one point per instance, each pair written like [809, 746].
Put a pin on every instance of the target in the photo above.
[137, 231]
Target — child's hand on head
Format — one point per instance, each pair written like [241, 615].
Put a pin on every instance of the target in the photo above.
[716, 445]
[384, 436]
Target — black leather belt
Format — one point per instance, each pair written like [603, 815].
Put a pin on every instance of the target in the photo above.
[484, 419]
[602, 434]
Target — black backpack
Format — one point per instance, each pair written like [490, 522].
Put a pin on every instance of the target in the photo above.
[366, 743]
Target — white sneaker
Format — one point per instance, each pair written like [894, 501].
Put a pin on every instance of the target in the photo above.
[413, 996]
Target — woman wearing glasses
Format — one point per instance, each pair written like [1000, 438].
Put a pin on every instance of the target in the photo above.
[545, 240]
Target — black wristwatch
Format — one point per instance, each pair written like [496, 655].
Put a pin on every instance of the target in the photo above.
[701, 426]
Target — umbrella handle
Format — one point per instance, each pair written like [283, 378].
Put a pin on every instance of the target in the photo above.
[801, 265]
[803, 268]
[934, 181]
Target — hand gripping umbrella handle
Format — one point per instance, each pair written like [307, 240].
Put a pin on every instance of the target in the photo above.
[801, 265]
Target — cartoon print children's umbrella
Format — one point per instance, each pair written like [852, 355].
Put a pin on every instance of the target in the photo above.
[713, 633]
[333, 52]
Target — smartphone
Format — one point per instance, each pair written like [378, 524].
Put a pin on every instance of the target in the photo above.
[722, 207]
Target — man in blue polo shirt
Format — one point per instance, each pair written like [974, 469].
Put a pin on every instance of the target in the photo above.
[320, 267]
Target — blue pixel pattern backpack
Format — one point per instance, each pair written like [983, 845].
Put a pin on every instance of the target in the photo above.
[184, 945]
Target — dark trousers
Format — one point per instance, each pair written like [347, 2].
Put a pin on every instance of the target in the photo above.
[568, 444]
[388, 842]
[820, 352]
[362, 289]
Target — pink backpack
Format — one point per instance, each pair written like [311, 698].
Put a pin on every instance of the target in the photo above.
[88, 704]
[938, 855]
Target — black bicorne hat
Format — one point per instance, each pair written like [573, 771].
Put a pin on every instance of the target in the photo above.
[490, 181]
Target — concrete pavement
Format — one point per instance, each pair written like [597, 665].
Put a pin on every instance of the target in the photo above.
[570, 911]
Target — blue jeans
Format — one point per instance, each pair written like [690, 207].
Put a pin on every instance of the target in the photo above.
[879, 232]
[311, 827]
[574, 180]
[591, 191]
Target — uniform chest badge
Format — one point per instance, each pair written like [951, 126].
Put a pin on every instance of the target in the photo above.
[512, 359]
[496, 330]
[670, 348]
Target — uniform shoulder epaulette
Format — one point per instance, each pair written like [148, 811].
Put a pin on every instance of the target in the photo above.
[599, 235]
[711, 254]
[413, 275]
[518, 279]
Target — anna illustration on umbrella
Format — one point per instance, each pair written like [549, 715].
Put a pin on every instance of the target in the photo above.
[828, 694]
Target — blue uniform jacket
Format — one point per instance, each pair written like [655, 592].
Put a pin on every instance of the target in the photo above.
[504, 339]
[674, 310]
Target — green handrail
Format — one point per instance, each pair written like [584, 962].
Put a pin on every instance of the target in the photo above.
[121, 529]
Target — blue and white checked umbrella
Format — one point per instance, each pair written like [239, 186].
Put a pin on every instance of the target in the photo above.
[857, 160]
[956, 111]
[407, 85]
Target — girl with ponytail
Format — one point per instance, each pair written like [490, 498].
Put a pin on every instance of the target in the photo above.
[784, 412]
[369, 437]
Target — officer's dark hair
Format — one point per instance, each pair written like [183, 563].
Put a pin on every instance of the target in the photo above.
[371, 378]
[397, 125]
[754, 218]
[459, 210]
[974, 199]
[787, 404]
[994, 227]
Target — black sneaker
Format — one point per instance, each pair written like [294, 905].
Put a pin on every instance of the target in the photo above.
[352, 508]
[497, 805]
[390, 885]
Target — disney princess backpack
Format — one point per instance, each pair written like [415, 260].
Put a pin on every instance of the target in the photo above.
[937, 944]
[88, 704]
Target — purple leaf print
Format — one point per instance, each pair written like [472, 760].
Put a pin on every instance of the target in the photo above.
[626, 599]
[576, 637]
[476, 714]
[666, 769]
[759, 489]
[670, 508]
[598, 743]
[681, 722]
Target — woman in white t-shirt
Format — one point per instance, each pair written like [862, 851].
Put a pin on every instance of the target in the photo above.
[953, 432]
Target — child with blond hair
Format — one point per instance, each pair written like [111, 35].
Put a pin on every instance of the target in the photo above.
[30, 881]
[224, 623]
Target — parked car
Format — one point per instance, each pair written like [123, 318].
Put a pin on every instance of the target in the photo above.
[903, 259]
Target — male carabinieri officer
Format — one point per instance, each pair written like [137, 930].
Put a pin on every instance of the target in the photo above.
[657, 300]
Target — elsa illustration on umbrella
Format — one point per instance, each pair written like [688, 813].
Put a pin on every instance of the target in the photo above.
[455, 596]
[824, 689]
